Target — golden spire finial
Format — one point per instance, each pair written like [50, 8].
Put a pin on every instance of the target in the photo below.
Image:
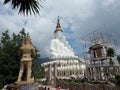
[58, 23]
[58, 27]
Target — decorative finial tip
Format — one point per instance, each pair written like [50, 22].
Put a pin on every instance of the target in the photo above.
[58, 19]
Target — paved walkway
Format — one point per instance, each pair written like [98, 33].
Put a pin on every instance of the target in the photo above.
[51, 88]
[60, 89]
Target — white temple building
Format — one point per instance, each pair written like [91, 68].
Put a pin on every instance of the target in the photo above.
[63, 62]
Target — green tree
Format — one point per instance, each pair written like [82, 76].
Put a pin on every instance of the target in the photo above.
[42, 72]
[117, 77]
[35, 67]
[111, 53]
[25, 6]
[10, 57]
[118, 58]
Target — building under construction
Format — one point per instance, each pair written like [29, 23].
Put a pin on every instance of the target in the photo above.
[98, 65]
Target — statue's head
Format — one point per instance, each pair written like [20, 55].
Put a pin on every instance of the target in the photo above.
[27, 46]
[27, 40]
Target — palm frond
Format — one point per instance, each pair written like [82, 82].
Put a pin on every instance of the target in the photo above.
[25, 6]
[6, 1]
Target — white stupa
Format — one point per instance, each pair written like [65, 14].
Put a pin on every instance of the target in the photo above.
[59, 47]
[63, 62]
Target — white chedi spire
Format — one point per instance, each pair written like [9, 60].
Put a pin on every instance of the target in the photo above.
[59, 47]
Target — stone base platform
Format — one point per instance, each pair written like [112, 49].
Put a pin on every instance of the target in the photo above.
[13, 87]
[24, 82]
[18, 85]
[29, 81]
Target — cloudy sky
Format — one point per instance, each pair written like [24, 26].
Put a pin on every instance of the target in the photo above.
[77, 17]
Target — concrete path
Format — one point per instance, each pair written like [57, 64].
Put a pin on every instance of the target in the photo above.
[50, 87]
[60, 89]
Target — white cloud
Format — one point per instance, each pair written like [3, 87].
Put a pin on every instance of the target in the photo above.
[108, 2]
